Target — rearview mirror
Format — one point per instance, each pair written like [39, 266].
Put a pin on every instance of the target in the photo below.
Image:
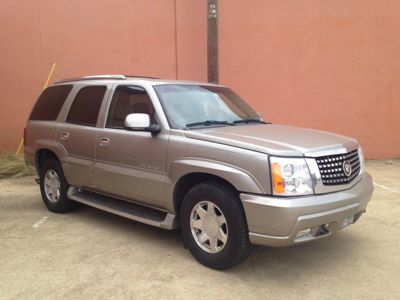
[140, 122]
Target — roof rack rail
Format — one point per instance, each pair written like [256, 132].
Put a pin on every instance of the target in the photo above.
[93, 77]
[139, 76]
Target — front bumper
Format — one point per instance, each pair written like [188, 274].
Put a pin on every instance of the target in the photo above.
[277, 222]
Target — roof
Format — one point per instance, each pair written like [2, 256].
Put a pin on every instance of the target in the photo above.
[129, 78]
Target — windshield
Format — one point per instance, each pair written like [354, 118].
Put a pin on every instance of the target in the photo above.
[194, 105]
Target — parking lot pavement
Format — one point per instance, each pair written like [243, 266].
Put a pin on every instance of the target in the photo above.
[92, 254]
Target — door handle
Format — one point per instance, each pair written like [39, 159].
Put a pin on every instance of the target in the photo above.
[104, 142]
[64, 136]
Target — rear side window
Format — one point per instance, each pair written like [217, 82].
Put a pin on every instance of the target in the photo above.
[86, 106]
[50, 102]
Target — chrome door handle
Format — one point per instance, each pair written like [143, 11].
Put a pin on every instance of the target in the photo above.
[104, 142]
[64, 136]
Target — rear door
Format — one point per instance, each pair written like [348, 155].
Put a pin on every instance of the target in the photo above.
[41, 127]
[78, 135]
[131, 164]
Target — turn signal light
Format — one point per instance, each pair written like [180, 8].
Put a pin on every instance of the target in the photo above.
[277, 179]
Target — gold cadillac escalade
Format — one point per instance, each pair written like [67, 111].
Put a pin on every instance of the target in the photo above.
[194, 156]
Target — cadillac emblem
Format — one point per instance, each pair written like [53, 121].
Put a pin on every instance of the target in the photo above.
[347, 168]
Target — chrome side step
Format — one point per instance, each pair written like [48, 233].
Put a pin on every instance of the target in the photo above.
[125, 209]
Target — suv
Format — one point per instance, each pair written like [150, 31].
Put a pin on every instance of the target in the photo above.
[192, 155]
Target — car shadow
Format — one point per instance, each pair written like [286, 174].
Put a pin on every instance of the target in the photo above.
[271, 262]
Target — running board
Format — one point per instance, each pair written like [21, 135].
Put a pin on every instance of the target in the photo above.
[123, 208]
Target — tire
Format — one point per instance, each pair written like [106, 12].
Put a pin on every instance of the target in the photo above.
[228, 243]
[55, 198]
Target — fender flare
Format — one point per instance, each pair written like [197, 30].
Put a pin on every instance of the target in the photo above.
[240, 179]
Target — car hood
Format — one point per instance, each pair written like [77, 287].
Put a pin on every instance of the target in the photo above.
[276, 139]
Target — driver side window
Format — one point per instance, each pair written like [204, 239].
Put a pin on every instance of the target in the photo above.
[127, 100]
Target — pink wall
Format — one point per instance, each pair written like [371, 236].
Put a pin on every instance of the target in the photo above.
[331, 65]
[92, 37]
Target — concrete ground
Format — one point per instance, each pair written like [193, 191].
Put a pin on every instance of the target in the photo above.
[92, 254]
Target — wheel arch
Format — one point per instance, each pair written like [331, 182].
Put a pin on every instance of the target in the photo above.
[185, 172]
[187, 181]
[41, 155]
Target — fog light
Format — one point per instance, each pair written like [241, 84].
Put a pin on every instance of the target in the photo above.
[303, 233]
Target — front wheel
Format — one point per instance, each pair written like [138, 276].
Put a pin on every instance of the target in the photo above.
[214, 227]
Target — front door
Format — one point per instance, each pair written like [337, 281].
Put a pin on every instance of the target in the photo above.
[131, 164]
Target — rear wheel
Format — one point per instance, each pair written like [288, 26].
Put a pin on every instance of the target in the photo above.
[54, 187]
[214, 227]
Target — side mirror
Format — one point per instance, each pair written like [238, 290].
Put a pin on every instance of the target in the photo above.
[140, 122]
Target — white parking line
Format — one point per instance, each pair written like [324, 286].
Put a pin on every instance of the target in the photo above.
[40, 222]
[386, 188]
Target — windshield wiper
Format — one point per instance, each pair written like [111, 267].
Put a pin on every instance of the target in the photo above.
[208, 123]
[250, 121]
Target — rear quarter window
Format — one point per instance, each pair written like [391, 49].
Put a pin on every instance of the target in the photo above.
[86, 106]
[50, 102]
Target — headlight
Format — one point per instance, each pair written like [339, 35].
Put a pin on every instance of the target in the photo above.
[361, 158]
[290, 176]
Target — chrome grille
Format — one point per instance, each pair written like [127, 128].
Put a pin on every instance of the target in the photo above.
[331, 167]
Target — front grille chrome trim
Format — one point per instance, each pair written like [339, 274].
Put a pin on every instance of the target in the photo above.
[318, 174]
[331, 167]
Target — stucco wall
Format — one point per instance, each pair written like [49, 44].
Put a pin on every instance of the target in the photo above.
[93, 37]
[331, 65]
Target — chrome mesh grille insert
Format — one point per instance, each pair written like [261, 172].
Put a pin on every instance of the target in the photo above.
[331, 167]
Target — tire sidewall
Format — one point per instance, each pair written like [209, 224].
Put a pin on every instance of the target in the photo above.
[228, 202]
[63, 203]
